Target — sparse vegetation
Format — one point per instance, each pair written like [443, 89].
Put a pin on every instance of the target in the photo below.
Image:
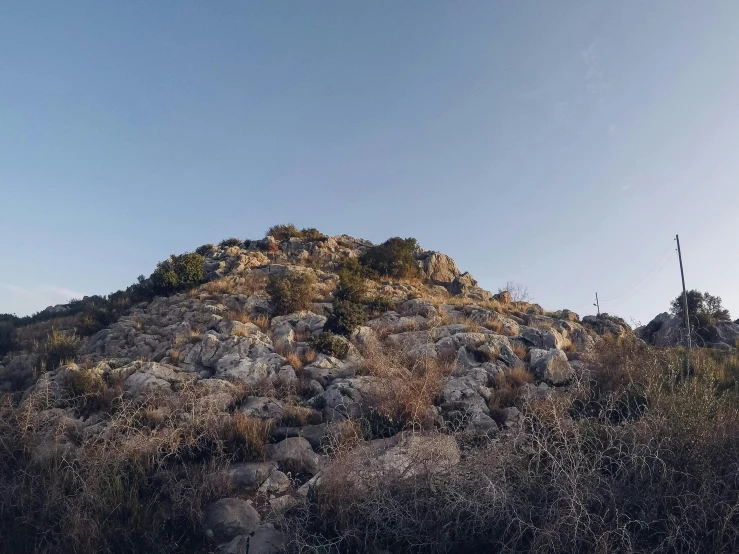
[291, 292]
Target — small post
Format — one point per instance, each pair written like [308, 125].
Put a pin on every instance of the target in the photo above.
[685, 293]
[597, 303]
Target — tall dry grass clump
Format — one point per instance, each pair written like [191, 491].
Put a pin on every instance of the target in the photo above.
[407, 383]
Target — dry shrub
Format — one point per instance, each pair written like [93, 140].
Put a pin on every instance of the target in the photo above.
[520, 351]
[298, 416]
[407, 385]
[666, 482]
[472, 326]
[137, 486]
[218, 287]
[294, 360]
[59, 348]
[309, 356]
[507, 387]
[92, 392]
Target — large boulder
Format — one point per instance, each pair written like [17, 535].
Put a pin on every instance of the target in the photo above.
[228, 518]
[725, 332]
[243, 477]
[295, 454]
[551, 366]
[437, 267]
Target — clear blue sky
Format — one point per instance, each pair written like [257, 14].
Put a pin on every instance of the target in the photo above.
[558, 144]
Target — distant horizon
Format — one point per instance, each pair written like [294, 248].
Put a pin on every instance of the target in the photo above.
[558, 145]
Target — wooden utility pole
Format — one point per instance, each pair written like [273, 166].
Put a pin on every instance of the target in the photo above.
[597, 303]
[685, 293]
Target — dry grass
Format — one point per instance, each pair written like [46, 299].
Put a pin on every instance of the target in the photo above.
[407, 385]
[656, 481]
[139, 486]
[294, 360]
[261, 321]
[520, 351]
[218, 287]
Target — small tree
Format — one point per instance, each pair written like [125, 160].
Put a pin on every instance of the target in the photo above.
[291, 292]
[178, 273]
[347, 310]
[392, 258]
[704, 309]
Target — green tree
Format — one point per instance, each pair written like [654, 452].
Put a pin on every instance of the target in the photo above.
[704, 309]
[347, 310]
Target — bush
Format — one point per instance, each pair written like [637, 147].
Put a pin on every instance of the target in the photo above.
[289, 231]
[291, 293]
[59, 349]
[95, 318]
[204, 249]
[347, 311]
[380, 304]
[329, 344]
[345, 316]
[178, 273]
[231, 242]
[392, 258]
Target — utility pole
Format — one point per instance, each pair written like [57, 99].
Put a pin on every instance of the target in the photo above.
[597, 303]
[685, 294]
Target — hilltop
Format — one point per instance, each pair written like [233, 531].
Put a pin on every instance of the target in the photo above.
[311, 392]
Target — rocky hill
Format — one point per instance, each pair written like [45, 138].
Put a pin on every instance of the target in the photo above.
[255, 403]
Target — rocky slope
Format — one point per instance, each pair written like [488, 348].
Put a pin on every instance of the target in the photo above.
[220, 351]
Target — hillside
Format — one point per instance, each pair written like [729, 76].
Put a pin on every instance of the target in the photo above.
[325, 394]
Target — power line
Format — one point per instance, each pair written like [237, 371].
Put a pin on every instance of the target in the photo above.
[642, 289]
[640, 281]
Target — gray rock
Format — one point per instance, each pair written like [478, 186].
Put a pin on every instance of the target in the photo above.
[227, 518]
[296, 455]
[267, 540]
[243, 477]
[438, 268]
[551, 366]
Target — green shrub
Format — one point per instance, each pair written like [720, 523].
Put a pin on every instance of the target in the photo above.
[231, 242]
[329, 344]
[380, 304]
[178, 273]
[203, 250]
[291, 293]
[283, 232]
[345, 316]
[311, 234]
[347, 311]
[392, 258]
[289, 231]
